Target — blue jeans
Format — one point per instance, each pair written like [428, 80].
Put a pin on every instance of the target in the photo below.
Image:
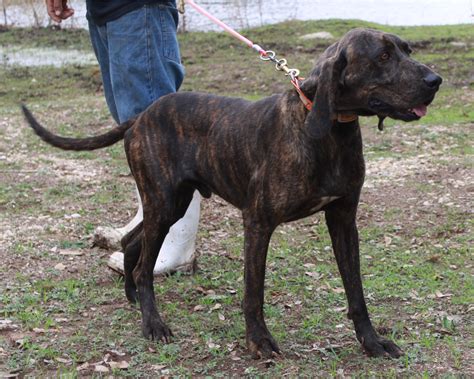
[139, 58]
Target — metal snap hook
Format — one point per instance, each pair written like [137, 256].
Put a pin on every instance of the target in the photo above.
[270, 55]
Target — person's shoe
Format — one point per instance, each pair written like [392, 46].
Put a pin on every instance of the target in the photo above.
[115, 263]
[177, 251]
[107, 238]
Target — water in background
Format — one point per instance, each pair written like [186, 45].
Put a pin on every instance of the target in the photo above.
[249, 13]
[12, 56]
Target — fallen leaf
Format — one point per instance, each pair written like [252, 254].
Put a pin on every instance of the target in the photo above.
[63, 360]
[60, 267]
[71, 252]
[118, 353]
[216, 307]
[101, 368]
[268, 363]
[338, 290]
[82, 367]
[221, 317]
[198, 308]
[7, 325]
[213, 345]
[200, 290]
[440, 295]
[158, 367]
[231, 347]
[434, 259]
[122, 365]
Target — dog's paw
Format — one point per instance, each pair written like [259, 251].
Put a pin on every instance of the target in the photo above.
[262, 345]
[156, 330]
[131, 293]
[376, 346]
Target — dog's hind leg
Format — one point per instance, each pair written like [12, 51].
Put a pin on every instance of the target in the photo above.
[160, 212]
[131, 246]
[257, 237]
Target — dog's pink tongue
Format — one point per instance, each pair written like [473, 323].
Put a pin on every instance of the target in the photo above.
[420, 110]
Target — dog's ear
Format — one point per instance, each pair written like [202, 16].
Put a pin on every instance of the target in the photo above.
[329, 78]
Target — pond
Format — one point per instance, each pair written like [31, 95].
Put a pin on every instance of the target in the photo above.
[12, 55]
[250, 13]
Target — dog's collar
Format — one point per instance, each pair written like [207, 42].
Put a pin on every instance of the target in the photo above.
[344, 118]
[341, 117]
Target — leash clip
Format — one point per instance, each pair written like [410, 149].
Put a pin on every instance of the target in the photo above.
[268, 56]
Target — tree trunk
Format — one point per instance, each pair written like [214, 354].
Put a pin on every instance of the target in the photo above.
[4, 9]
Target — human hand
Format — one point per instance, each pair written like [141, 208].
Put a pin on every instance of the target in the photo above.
[59, 10]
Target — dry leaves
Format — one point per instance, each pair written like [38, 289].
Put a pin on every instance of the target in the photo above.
[60, 267]
[212, 345]
[158, 367]
[216, 307]
[74, 253]
[122, 365]
[101, 368]
[6, 324]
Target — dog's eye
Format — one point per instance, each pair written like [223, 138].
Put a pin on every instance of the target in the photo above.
[385, 56]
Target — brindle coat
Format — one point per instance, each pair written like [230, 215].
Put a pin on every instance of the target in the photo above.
[272, 159]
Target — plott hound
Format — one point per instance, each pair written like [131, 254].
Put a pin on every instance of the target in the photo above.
[274, 160]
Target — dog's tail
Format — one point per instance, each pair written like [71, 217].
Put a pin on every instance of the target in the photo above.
[78, 144]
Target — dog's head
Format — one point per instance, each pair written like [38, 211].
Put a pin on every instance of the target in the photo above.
[368, 73]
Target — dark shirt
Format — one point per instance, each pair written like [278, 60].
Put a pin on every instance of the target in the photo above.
[102, 11]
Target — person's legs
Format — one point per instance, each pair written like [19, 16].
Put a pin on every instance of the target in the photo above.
[98, 36]
[144, 58]
[143, 64]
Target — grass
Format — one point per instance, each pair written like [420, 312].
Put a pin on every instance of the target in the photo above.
[70, 314]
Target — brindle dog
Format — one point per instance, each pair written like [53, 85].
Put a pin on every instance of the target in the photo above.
[274, 160]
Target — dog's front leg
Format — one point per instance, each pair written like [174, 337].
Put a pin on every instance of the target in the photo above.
[340, 219]
[259, 340]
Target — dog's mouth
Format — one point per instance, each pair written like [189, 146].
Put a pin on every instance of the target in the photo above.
[383, 109]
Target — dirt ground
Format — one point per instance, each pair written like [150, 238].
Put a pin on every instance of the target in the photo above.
[62, 312]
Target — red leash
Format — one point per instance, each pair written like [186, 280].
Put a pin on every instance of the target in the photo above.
[265, 55]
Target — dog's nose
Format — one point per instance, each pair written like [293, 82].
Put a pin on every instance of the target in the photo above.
[432, 80]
